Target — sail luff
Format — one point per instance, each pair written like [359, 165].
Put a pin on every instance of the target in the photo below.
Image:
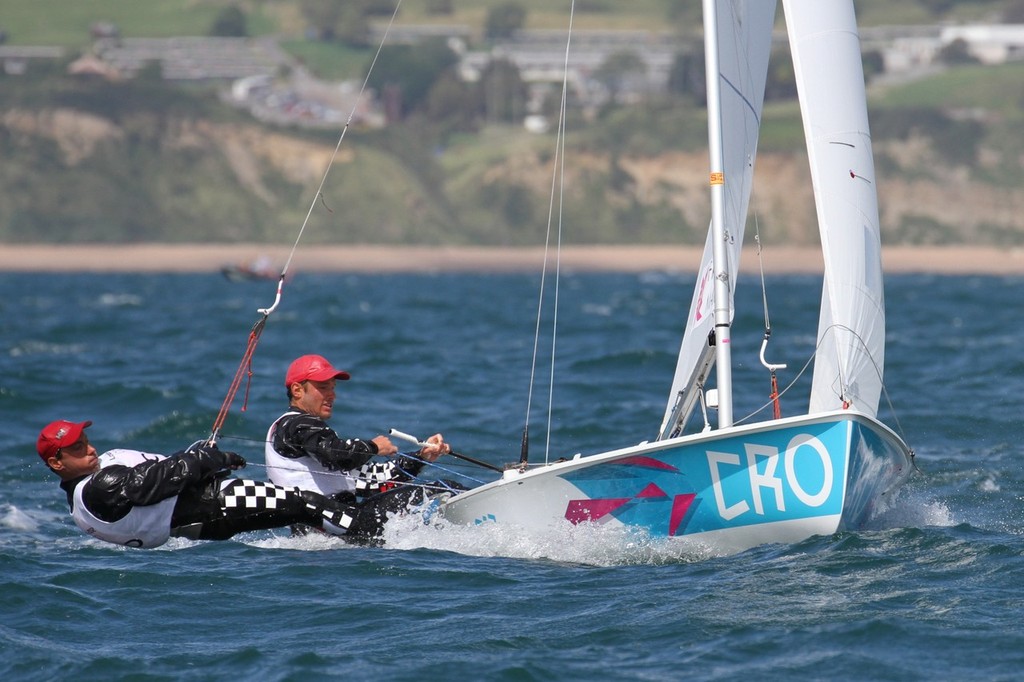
[851, 331]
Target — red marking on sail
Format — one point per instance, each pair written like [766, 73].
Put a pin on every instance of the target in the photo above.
[700, 297]
[680, 505]
[648, 462]
[579, 511]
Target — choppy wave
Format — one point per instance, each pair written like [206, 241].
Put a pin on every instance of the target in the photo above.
[930, 590]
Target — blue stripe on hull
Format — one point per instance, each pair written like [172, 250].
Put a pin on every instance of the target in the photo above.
[782, 475]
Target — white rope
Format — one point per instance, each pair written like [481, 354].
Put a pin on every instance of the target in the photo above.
[245, 366]
[334, 155]
[557, 186]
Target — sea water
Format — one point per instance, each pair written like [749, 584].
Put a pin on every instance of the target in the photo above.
[932, 590]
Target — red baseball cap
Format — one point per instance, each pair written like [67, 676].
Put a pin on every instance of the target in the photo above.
[57, 435]
[312, 368]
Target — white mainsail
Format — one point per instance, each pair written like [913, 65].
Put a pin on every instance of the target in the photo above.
[744, 45]
[851, 330]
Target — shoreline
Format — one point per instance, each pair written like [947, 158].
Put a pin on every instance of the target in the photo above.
[197, 258]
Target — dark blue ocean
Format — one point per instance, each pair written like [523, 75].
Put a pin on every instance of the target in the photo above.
[933, 590]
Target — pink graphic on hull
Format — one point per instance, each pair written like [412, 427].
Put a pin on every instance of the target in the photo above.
[648, 462]
[582, 511]
[680, 505]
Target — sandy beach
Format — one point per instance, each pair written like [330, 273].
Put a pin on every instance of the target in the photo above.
[368, 258]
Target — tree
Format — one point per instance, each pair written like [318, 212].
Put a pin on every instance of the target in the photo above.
[353, 26]
[622, 71]
[502, 92]
[874, 64]
[781, 80]
[957, 52]
[686, 77]
[230, 23]
[451, 104]
[322, 16]
[408, 72]
[504, 20]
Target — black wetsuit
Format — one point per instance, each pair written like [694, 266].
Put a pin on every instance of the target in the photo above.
[378, 489]
[209, 505]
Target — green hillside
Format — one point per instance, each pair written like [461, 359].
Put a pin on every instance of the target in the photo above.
[86, 160]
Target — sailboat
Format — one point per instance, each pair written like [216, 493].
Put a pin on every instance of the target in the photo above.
[734, 486]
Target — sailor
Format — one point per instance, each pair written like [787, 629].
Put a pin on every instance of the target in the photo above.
[140, 499]
[303, 451]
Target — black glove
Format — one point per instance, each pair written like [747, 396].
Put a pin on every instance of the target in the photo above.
[213, 460]
[234, 460]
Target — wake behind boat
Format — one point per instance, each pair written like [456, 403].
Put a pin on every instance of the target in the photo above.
[736, 486]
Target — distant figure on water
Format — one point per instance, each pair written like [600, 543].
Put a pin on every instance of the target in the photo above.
[303, 451]
[138, 499]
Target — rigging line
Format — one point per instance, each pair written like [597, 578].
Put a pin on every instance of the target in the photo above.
[411, 455]
[245, 367]
[362, 89]
[817, 347]
[558, 254]
[881, 379]
[559, 151]
[783, 392]
[455, 455]
[771, 367]
[427, 486]
[803, 369]
[760, 263]
[341, 474]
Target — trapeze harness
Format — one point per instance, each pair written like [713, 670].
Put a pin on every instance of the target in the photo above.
[305, 472]
[213, 509]
[148, 526]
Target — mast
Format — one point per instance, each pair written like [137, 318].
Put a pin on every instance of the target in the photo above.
[723, 283]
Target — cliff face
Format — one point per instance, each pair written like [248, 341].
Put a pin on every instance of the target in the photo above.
[74, 176]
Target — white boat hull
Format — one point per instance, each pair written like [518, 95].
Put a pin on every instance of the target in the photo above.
[731, 489]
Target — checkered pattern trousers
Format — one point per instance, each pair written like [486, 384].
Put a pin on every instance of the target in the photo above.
[254, 495]
[244, 500]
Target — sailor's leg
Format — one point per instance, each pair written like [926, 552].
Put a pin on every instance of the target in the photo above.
[245, 505]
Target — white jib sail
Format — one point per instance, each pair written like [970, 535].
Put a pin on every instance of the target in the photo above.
[744, 45]
[830, 83]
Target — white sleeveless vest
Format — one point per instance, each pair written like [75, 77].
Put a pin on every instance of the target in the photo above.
[303, 472]
[148, 526]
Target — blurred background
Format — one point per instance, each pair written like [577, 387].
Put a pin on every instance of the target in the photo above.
[213, 120]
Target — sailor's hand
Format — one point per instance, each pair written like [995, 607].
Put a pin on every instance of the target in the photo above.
[214, 460]
[385, 446]
[435, 448]
[234, 461]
